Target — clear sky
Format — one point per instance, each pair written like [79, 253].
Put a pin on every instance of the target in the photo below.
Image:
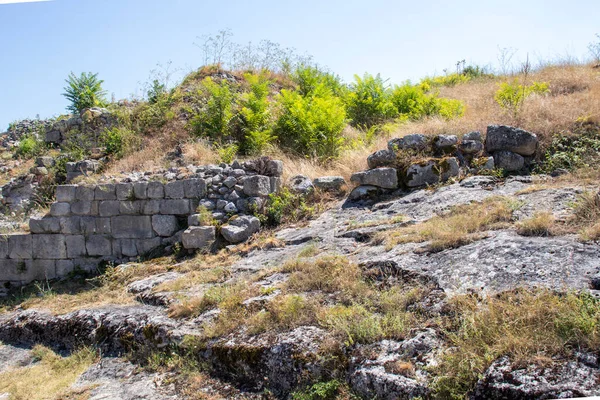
[122, 40]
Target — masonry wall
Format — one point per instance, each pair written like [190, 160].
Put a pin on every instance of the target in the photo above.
[119, 222]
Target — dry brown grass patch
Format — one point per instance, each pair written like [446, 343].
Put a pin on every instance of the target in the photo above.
[458, 227]
[540, 224]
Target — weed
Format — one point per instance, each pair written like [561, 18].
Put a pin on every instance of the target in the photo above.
[84, 91]
[539, 225]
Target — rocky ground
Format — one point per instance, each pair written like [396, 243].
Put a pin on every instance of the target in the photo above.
[276, 362]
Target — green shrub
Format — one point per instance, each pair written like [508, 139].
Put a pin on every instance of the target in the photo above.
[215, 119]
[255, 115]
[311, 125]
[309, 78]
[156, 91]
[84, 91]
[511, 95]
[446, 80]
[572, 151]
[319, 391]
[413, 102]
[227, 152]
[120, 141]
[29, 147]
[369, 101]
[285, 206]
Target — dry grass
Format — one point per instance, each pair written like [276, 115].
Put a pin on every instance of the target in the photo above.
[540, 224]
[456, 228]
[49, 378]
[525, 325]
[586, 216]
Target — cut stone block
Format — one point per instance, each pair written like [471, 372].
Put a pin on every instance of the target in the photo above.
[65, 193]
[155, 190]
[75, 246]
[175, 207]
[132, 227]
[105, 192]
[20, 246]
[60, 209]
[98, 246]
[175, 190]
[50, 247]
[164, 225]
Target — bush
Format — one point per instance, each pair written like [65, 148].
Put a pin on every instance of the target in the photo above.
[215, 119]
[29, 147]
[572, 151]
[369, 101]
[84, 91]
[120, 141]
[413, 102]
[255, 115]
[285, 206]
[311, 125]
[512, 95]
[309, 78]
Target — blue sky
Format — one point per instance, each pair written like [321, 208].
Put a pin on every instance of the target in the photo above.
[122, 40]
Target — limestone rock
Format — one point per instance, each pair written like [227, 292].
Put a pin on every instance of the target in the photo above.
[471, 147]
[364, 192]
[519, 141]
[386, 178]
[431, 172]
[300, 184]
[381, 158]
[415, 141]
[445, 143]
[330, 183]
[198, 237]
[240, 228]
[508, 161]
[257, 185]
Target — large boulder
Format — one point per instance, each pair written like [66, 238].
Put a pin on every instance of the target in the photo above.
[257, 186]
[240, 228]
[330, 183]
[500, 137]
[508, 161]
[471, 147]
[415, 141]
[431, 172]
[381, 158]
[386, 178]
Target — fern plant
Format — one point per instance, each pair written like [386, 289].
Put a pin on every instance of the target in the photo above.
[215, 120]
[84, 91]
[511, 95]
[369, 101]
[255, 115]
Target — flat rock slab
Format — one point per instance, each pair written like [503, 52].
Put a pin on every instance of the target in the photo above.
[14, 357]
[117, 379]
[502, 261]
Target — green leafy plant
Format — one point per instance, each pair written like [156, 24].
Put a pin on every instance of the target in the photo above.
[29, 147]
[309, 78]
[369, 101]
[84, 91]
[319, 391]
[215, 118]
[511, 95]
[311, 125]
[413, 102]
[255, 113]
[572, 151]
[120, 141]
[285, 206]
[227, 152]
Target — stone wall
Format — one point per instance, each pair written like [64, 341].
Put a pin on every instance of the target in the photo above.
[118, 222]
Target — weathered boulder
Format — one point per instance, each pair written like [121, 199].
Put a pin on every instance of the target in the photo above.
[198, 237]
[431, 172]
[301, 184]
[501, 137]
[445, 143]
[415, 141]
[330, 183]
[364, 193]
[475, 135]
[257, 185]
[386, 178]
[471, 147]
[381, 158]
[563, 380]
[240, 228]
[508, 161]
